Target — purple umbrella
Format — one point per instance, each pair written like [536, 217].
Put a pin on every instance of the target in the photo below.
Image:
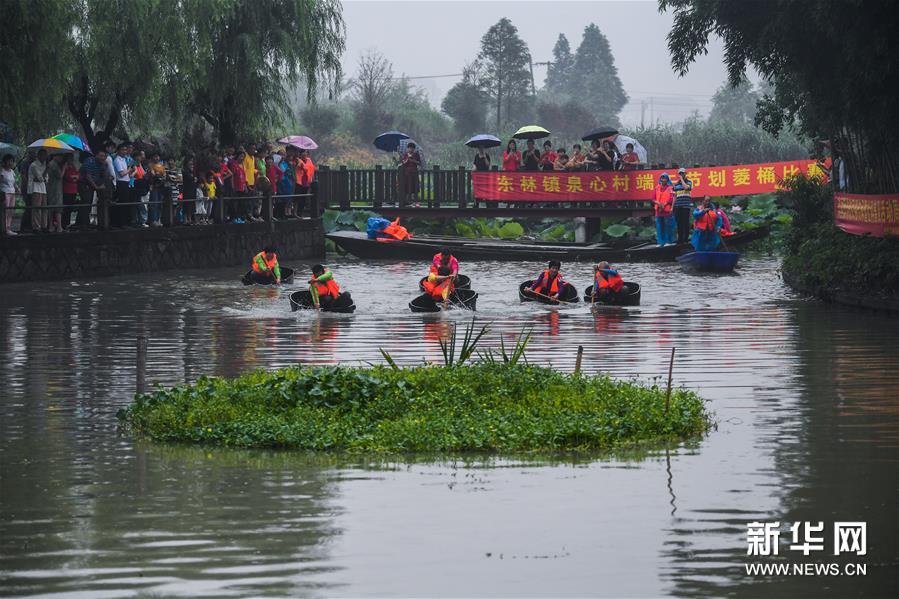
[299, 141]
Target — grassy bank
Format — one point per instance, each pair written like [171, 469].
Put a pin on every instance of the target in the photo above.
[823, 260]
[488, 406]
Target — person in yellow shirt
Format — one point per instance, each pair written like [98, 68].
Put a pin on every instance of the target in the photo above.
[249, 166]
[209, 190]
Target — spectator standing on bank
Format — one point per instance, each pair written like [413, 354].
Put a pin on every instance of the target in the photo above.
[8, 189]
[119, 212]
[482, 160]
[511, 157]
[548, 158]
[70, 178]
[409, 166]
[24, 167]
[37, 187]
[683, 205]
[630, 160]
[54, 193]
[531, 157]
[92, 180]
[189, 191]
[156, 176]
[140, 185]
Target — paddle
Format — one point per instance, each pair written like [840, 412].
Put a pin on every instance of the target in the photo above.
[552, 299]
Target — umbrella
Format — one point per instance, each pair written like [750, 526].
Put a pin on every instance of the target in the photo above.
[53, 146]
[531, 132]
[621, 142]
[73, 141]
[389, 141]
[6, 148]
[599, 133]
[299, 141]
[483, 141]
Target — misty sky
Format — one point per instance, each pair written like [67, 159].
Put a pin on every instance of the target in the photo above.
[425, 37]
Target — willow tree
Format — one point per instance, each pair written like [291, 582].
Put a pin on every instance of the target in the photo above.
[833, 65]
[247, 54]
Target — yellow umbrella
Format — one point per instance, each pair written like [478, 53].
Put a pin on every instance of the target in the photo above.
[53, 146]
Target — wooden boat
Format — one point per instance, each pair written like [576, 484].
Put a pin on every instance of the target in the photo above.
[302, 300]
[460, 298]
[709, 261]
[424, 248]
[462, 282]
[286, 277]
[569, 295]
[628, 296]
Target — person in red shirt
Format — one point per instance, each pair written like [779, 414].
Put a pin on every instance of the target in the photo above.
[511, 157]
[548, 158]
[70, 178]
[239, 209]
[630, 160]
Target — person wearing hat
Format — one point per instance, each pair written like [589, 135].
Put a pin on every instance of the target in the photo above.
[683, 205]
[663, 203]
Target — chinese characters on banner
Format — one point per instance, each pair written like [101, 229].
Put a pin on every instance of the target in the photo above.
[876, 215]
[564, 186]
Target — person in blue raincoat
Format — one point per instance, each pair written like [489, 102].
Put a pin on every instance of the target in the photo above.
[706, 226]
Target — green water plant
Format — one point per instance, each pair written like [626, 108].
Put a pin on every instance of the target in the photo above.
[494, 404]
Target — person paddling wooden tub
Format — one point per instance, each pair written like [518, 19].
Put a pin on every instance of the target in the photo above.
[606, 281]
[322, 287]
[549, 283]
[266, 267]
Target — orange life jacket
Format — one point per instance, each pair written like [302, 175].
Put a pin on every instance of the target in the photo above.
[553, 287]
[269, 263]
[395, 231]
[707, 221]
[607, 281]
[436, 288]
[328, 288]
[664, 201]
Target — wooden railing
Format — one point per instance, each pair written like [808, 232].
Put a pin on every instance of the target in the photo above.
[343, 188]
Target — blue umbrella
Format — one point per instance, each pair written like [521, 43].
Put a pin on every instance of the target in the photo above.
[483, 141]
[390, 141]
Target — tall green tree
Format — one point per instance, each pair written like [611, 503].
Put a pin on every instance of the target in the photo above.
[114, 65]
[466, 102]
[833, 65]
[594, 78]
[248, 53]
[558, 74]
[36, 52]
[734, 104]
[507, 76]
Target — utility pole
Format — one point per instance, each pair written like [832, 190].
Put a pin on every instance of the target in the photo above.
[533, 86]
[642, 112]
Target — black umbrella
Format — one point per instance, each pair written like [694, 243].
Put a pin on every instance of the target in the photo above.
[599, 133]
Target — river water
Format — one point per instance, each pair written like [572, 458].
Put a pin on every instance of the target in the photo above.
[805, 396]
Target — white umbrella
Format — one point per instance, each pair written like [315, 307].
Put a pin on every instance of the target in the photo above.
[621, 142]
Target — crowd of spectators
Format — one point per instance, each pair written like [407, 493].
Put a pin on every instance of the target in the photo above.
[601, 156]
[62, 192]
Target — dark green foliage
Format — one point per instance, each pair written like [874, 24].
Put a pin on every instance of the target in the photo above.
[720, 143]
[594, 78]
[823, 259]
[734, 105]
[119, 67]
[506, 77]
[833, 65]
[558, 73]
[486, 407]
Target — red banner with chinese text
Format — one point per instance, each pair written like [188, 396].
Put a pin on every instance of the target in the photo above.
[565, 186]
[876, 215]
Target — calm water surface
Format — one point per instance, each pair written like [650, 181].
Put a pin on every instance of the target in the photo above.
[806, 398]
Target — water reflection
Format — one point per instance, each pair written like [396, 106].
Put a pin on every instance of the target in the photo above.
[803, 394]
